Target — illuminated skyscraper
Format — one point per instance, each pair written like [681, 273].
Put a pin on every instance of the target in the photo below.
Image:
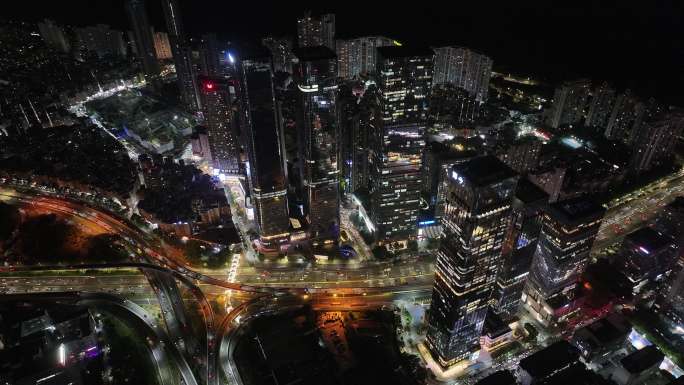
[476, 219]
[142, 35]
[266, 171]
[209, 56]
[397, 142]
[220, 106]
[182, 56]
[162, 46]
[568, 232]
[465, 69]
[314, 74]
[600, 107]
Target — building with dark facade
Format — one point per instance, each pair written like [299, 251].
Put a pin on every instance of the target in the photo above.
[529, 204]
[600, 107]
[567, 235]
[281, 51]
[264, 142]
[625, 118]
[655, 141]
[313, 31]
[521, 154]
[646, 256]
[182, 56]
[209, 53]
[220, 106]
[142, 35]
[397, 142]
[314, 75]
[477, 215]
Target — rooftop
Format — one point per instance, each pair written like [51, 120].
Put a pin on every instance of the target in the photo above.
[648, 239]
[314, 53]
[494, 326]
[484, 170]
[502, 377]
[550, 359]
[528, 192]
[576, 210]
[642, 359]
[395, 51]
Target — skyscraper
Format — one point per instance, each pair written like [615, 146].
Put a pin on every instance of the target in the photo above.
[219, 103]
[464, 68]
[54, 36]
[281, 51]
[142, 35]
[99, 40]
[309, 31]
[315, 77]
[569, 102]
[328, 30]
[355, 124]
[397, 142]
[568, 232]
[209, 55]
[357, 56]
[521, 241]
[182, 56]
[266, 172]
[625, 118]
[476, 219]
[162, 46]
[600, 107]
[655, 142]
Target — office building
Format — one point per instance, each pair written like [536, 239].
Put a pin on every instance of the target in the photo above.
[357, 57]
[182, 56]
[639, 367]
[397, 143]
[598, 340]
[600, 107]
[220, 105]
[142, 37]
[54, 36]
[438, 159]
[162, 46]
[315, 77]
[567, 235]
[477, 215]
[654, 143]
[529, 203]
[264, 142]
[199, 142]
[314, 31]
[569, 103]
[453, 108]
[99, 41]
[465, 69]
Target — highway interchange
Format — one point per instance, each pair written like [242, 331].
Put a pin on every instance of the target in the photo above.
[362, 284]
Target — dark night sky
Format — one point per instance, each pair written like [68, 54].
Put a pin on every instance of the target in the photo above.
[631, 43]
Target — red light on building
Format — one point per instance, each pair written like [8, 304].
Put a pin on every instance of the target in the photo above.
[209, 86]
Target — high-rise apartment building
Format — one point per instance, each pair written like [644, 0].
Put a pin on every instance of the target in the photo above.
[397, 142]
[328, 30]
[600, 106]
[464, 68]
[477, 215]
[162, 46]
[569, 103]
[182, 56]
[264, 142]
[54, 36]
[315, 77]
[655, 142]
[220, 106]
[99, 40]
[568, 232]
[358, 56]
[143, 41]
[281, 51]
[625, 118]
